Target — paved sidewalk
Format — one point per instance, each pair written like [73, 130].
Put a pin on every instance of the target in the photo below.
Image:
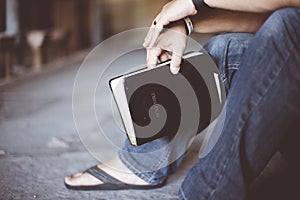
[39, 144]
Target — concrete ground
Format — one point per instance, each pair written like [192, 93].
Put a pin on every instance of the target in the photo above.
[39, 143]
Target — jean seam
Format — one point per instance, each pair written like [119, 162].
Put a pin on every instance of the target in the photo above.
[226, 162]
[181, 194]
[164, 158]
[224, 80]
[225, 75]
[259, 100]
[233, 68]
[224, 61]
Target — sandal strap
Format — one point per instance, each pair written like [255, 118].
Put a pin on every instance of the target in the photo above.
[102, 175]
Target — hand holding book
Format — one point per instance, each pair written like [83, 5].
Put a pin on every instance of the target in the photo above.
[153, 103]
[171, 45]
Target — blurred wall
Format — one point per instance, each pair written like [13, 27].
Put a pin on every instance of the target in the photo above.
[35, 14]
[121, 15]
[69, 25]
[89, 21]
[12, 17]
[2, 15]
[72, 15]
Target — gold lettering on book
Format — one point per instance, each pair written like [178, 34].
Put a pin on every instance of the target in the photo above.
[156, 108]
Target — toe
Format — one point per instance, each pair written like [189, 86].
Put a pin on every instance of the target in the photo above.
[68, 180]
[81, 179]
[76, 175]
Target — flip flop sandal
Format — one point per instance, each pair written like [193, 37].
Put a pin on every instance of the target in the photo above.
[109, 182]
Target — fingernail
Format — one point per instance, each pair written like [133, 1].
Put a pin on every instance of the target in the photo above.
[174, 70]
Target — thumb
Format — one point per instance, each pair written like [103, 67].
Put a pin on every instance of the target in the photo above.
[175, 63]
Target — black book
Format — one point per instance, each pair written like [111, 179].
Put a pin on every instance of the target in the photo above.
[154, 103]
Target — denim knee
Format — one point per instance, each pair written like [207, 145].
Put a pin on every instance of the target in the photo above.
[227, 50]
[287, 19]
[283, 26]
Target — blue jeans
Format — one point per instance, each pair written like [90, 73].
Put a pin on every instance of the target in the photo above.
[261, 73]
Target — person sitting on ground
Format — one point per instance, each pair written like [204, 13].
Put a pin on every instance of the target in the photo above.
[260, 66]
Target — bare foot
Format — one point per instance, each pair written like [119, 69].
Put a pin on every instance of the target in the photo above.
[115, 168]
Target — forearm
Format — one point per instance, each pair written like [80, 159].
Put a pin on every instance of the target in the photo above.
[252, 5]
[219, 21]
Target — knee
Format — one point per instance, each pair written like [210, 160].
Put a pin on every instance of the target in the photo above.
[220, 43]
[283, 25]
[285, 15]
[227, 51]
[216, 43]
[232, 43]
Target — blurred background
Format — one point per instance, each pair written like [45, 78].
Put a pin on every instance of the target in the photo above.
[36, 32]
[42, 46]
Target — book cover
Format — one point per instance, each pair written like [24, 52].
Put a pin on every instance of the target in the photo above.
[154, 103]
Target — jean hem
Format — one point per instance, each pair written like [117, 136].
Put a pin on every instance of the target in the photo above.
[144, 176]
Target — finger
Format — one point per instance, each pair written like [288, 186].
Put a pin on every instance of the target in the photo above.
[150, 32]
[164, 56]
[164, 21]
[147, 55]
[155, 31]
[156, 28]
[155, 34]
[175, 63]
[147, 38]
[153, 57]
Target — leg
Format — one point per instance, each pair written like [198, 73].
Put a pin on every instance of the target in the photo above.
[226, 50]
[263, 100]
[134, 160]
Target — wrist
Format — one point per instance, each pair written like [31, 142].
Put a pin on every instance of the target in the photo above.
[184, 25]
[178, 26]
